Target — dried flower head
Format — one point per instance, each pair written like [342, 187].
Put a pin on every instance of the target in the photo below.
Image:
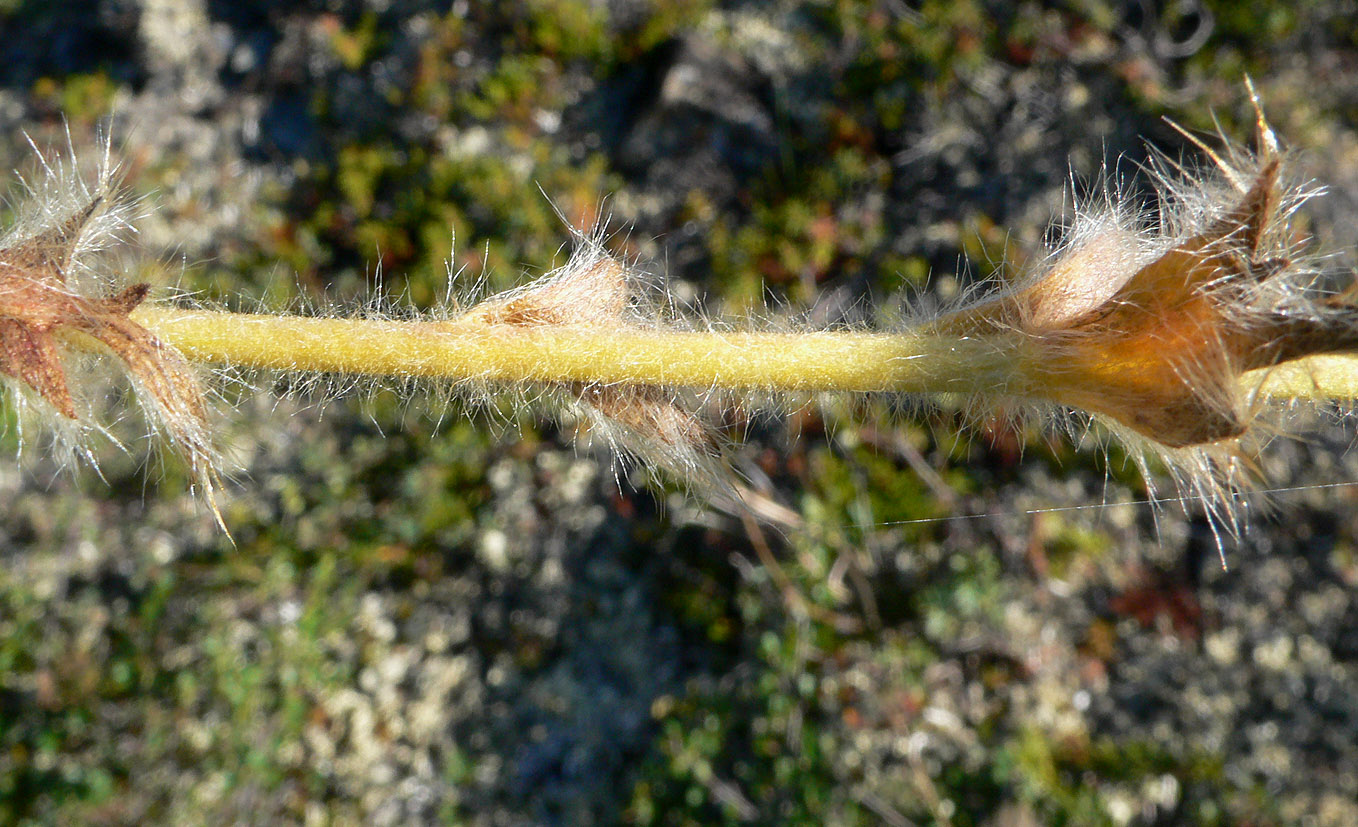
[57, 305]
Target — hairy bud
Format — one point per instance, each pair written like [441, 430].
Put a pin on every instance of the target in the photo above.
[55, 306]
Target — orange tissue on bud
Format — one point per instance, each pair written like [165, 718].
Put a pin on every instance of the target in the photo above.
[1155, 334]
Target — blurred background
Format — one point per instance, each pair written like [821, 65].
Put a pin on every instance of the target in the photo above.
[426, 618]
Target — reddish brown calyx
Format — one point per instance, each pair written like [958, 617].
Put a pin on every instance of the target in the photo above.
[42, 318]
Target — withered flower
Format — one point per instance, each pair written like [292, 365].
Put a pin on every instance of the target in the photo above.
[47, 322]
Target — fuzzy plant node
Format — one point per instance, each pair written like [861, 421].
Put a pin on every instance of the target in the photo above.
[1177, 330]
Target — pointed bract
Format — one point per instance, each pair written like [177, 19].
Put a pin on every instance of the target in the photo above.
[42, 317]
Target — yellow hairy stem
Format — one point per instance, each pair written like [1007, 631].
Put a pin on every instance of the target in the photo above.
[1322, 377]
[470, 349]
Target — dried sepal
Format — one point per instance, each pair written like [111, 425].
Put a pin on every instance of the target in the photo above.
[661, 427]
[47, 318]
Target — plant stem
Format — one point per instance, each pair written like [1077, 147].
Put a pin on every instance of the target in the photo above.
[470, 349]
[1323, 377]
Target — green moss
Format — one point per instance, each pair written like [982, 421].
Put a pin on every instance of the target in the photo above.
[1259, 23]
[401, 207]
[356, 46]
[665, 19]
[82, 99]
[1070, 543]
[717, 761]
[96, 666]
[1070, 781]
[565, 30]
